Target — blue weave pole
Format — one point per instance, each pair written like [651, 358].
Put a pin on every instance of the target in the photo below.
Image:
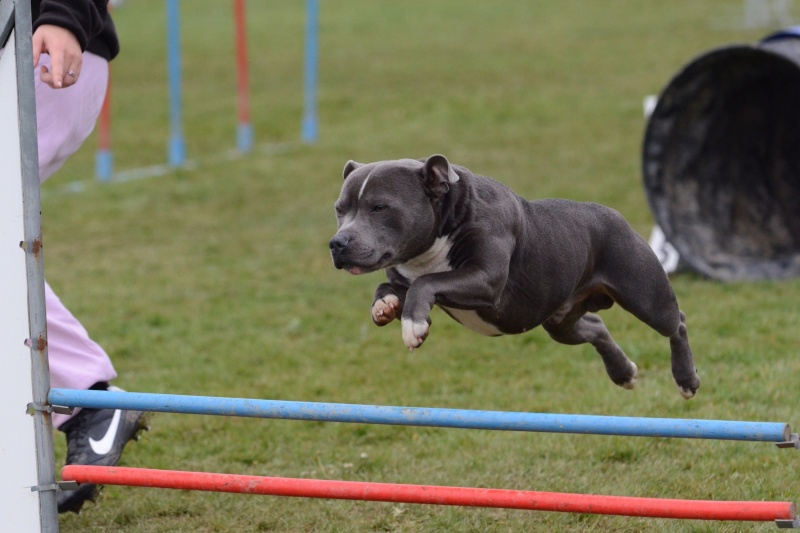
[177, 146]
[424, 416]
[310, 126]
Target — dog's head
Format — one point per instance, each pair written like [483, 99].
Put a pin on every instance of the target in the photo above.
[386, 212]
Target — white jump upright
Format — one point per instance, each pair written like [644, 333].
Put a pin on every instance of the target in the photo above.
[28, 490]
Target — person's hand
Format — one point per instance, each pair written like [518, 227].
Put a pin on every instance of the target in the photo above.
[65, 55]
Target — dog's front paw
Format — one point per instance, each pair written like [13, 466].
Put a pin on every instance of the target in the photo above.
[385, 309]
[414, 332]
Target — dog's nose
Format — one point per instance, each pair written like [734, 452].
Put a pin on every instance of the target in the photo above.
[339, 242]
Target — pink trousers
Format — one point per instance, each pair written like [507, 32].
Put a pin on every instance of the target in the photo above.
[65, 118]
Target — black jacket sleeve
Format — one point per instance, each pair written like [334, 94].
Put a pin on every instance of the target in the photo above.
[88, 20]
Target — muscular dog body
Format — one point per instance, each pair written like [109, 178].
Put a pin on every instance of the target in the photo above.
[500, 264]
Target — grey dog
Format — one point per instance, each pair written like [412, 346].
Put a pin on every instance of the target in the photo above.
[499, 264]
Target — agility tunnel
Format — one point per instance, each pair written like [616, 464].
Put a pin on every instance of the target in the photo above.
[783, 513]
[721, 160]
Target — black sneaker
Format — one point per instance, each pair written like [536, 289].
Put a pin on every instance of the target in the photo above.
[97, 437]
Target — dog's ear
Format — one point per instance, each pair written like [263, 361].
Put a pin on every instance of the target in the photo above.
[437, 175]
[349, 167]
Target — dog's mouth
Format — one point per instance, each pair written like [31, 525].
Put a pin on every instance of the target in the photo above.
[355, 270]
[358, 269]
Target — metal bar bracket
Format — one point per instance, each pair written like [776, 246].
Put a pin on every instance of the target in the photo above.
[793, 442]
[61, 485]
[32, 406]
[68, 485]
[790, 523]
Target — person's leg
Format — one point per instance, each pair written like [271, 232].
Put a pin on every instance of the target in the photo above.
[76, 361]
[65, 118]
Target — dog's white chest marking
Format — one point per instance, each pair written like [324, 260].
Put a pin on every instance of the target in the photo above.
[435, 260]
[429, 262]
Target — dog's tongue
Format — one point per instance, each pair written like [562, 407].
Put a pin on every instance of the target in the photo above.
[354, 270]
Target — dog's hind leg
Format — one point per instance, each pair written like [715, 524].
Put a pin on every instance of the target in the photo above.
[654, 304]
[683, 369]
[647, 294]
[589, 328]
[671, 322]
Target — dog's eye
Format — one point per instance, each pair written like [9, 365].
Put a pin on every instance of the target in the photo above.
[339, 211]
[379, 208]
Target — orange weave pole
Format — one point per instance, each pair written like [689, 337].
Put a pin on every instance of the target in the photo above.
[437, 495]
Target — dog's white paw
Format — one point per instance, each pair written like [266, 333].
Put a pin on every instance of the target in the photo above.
[414, 333]
[631, 383]
[686, 392]
[689, 388]
[385, 309]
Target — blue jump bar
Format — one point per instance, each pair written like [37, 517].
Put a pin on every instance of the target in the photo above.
[424, 416]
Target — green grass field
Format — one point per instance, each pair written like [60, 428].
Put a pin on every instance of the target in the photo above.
[216, 279]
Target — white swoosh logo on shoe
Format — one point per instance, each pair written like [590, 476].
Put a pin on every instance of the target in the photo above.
[104, 445]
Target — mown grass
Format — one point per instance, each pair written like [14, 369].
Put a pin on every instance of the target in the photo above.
[216, 279]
